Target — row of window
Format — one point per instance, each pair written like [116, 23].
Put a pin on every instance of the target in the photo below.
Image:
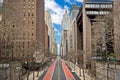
[29, 14]
[21, 54]
[19, 45]
[28, 10]
[24, 1]
[98, 5]
[16, 55]
[29, 21]
[22, 38]
[24, 34]
[97, 12]
[29, 18]
[18, 31]
[29, 4]
[29, 7]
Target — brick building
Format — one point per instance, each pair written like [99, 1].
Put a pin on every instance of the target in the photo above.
[46, 37]
[25, 22]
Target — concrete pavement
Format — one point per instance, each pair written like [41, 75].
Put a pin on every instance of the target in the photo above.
[35, 75]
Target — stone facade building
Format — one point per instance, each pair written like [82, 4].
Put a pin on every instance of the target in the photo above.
[89, 38]
[51, 31]
[65, 29]
[116, 28]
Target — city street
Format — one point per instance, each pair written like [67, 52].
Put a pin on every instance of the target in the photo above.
[58, 71]
[60, 40]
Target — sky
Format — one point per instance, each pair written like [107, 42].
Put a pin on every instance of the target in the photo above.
[57, 9]
[1, 1]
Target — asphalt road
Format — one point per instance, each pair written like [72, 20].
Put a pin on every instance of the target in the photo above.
[42, 76]
[58, 72]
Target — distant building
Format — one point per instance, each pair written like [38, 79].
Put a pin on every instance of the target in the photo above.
[53, 41]
[51, 33]
[65, 29]
[73, 27]
[73, 12]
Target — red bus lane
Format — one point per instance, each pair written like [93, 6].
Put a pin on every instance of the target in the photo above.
[50, 72]
[67, 72]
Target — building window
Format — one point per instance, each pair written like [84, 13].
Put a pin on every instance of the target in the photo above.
[32, 14]
[13, 25]
[32, 2]
[24, 11]
[33, 10]
[32, 34]
[24, 18]
[23, 43]
[28, 55]
[23, 54]
[33, 7]
[32, 23]
[24, 14]
[28, 44]
[24, 6]
[28, 22]
[29, 6]
[23, 34]
[32, 18]
[92, 5]
[28, 14]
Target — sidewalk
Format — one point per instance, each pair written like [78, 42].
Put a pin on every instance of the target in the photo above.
[35, 75]
[79, 71]
[87, 77]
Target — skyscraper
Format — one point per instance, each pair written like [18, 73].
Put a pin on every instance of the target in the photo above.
[25, 19]
[65, 28]
[48, 21]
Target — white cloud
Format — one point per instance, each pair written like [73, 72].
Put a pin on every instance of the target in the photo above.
[56, 30]
[57, 11]
[1, 1]
[58, 33]
[79, 0]
[73, 1]
[58, 47]
[68, 1]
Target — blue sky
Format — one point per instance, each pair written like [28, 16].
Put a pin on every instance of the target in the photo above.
[57, 8]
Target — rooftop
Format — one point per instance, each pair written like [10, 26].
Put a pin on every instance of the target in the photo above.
[99, 1]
